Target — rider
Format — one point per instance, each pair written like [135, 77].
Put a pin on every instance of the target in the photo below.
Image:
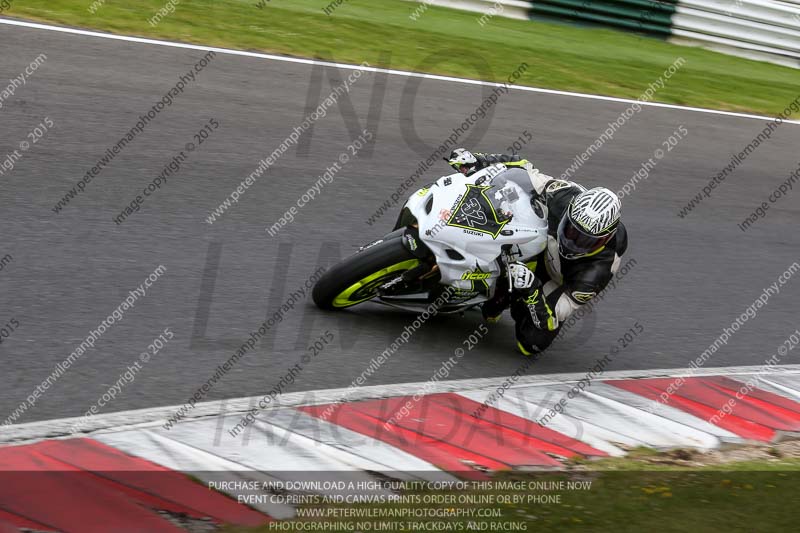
[585, 242]
[468, 163]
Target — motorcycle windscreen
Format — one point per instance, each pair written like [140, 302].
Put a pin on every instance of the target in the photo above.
[510, 198]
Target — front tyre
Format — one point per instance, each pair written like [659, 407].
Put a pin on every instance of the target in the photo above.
[357, 278]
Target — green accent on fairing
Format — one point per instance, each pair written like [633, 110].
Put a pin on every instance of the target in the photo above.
[375, 279]
[477, 279]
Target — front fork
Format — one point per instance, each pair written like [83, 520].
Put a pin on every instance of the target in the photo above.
[507, 260]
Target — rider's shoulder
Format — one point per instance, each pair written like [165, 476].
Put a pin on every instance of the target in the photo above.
[555, 185]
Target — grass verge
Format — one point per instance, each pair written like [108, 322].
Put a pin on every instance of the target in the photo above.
[444, 41]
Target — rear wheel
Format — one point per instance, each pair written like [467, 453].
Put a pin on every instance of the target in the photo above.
[357, 278]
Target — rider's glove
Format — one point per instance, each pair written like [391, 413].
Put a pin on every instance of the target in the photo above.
[531, 291]
[522, 278]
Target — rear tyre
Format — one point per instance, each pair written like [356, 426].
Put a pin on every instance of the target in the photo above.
[357, 278]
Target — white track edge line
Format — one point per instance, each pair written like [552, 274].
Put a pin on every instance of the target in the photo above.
[174, 44]
[154, 416]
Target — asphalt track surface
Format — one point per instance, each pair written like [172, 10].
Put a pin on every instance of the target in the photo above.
[692, 277]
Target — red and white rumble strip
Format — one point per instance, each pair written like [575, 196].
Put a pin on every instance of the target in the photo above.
[129, 465]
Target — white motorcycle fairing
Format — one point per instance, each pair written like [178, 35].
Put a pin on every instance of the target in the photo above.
[469, 221]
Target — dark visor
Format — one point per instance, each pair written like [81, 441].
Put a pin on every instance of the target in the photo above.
[573, 242]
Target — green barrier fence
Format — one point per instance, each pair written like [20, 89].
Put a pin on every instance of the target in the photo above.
[648, 16]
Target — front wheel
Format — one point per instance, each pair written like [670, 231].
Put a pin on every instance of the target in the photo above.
[357, 278]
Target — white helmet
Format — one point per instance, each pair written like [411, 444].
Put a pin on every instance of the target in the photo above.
[463, 161]
[589, 223]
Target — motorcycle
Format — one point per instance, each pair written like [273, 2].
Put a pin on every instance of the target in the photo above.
[459, 234]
